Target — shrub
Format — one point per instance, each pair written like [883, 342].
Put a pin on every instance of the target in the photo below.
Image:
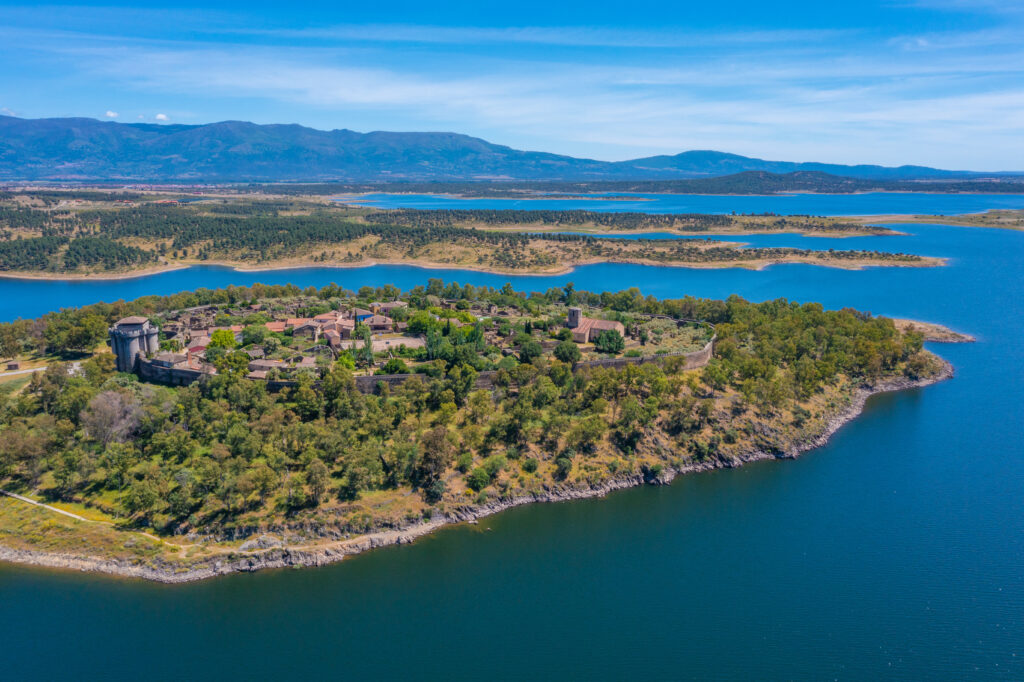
[609, 341]
[434, 492]
[478, 479]
[563, 466]
[394, 366]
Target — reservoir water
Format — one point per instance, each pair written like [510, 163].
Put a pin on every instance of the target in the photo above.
[896, 552]
[868, 203]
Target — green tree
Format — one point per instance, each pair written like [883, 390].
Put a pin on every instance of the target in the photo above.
[254, 334]
[319, 479]
[567, 352]
[223, 338]
[435, 455]
[366, 351]
[528, 350]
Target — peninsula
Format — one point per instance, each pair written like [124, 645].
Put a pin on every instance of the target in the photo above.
[1007, 219]
[88, 233]
[268, 426]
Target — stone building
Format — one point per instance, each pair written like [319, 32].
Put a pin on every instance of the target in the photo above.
[586, 329]
[130, 337]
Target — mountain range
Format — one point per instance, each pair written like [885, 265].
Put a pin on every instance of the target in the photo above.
[85, 149]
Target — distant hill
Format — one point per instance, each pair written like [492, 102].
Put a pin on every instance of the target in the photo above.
[747, 182]
[69, 149]
[711, 164]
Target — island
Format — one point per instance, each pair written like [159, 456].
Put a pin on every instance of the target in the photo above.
[269, 426]
[1007, 219]
[89, 233]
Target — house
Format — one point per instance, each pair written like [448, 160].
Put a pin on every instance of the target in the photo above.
[586, 329]
[360, 314]
[267, 365]
[310, 330]
[293, 322]
[276, 327]
[198, 343]
[333, 338]
[169, 359]
[387, 307]
[343, 327]
[378, 323]
[327, 317]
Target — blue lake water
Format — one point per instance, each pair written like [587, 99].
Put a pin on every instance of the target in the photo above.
[871, 203]
[896, 552]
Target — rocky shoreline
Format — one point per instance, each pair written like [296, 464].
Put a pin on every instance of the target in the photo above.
[284, 557]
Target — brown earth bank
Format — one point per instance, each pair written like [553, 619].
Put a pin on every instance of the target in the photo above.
[932, 331]
[269, 552]
[430, 264]
[1007, 219]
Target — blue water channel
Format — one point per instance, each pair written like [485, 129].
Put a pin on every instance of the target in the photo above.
[895, 552]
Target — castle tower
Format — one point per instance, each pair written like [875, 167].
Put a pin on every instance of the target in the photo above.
[131, 336]
[573, 321]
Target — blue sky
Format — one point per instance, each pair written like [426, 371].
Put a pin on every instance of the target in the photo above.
[935, 82]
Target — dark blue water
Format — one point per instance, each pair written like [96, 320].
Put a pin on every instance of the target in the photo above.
[895, 552]
[873, 203]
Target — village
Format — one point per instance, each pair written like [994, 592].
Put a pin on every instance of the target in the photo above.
[282, 339]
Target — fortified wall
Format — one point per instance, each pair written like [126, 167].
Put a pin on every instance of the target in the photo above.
[175, 376]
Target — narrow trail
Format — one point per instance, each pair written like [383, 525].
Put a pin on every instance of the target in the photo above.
[46, 506]
[76, 517]
[22, 371]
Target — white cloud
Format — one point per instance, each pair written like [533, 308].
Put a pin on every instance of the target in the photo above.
[111, 114]
[582, 36]
[947, 99]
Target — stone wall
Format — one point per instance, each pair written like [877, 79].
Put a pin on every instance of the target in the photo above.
[167, 375]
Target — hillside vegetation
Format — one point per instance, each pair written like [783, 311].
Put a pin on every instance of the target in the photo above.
[40, 235]
[226, 459]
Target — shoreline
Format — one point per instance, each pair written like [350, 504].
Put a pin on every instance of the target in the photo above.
[853, 264]
[599, 195]
[309, 556]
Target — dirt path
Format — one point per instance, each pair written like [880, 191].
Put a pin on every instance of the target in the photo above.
[22, 371]
[44, 506]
